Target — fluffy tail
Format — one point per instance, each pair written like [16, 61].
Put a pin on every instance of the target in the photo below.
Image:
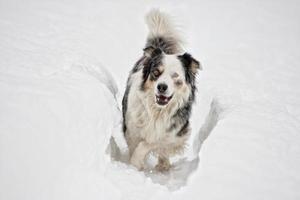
[163, 33]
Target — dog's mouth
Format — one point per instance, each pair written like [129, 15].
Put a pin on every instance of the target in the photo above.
[163, 100]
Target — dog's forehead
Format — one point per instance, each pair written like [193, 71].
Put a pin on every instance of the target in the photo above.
[171, 63]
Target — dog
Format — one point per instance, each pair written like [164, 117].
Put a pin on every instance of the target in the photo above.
[159, 95]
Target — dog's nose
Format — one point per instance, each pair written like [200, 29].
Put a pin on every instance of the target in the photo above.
[162, 87]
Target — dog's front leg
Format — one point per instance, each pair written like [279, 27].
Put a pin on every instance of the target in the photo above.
[139, 155]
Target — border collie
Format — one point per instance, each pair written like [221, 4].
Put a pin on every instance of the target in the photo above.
[159, 95]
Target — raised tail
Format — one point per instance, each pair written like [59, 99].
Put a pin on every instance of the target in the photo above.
[163, 33]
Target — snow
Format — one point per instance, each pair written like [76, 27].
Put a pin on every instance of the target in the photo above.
[63, 69]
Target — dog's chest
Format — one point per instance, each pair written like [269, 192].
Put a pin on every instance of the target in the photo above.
[146, 123]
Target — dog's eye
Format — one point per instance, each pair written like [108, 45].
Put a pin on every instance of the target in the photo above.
[156, 73]
[178, 82]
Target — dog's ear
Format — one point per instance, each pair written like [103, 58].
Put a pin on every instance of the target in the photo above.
[151, 52]
[191, 63]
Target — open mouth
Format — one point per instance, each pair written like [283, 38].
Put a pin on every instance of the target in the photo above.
[163, 100]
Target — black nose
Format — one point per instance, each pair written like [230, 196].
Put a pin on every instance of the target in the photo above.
[162, 87]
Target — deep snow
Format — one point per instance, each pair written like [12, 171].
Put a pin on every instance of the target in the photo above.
[63, 68]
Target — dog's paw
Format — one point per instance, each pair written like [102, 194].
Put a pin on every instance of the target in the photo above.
[163, 166]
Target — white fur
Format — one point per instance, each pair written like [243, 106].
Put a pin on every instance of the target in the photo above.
[162, 24]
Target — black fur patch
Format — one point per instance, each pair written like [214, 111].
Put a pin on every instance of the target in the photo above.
[124, 107]
[190, 76]
[167, 45]
[184, 130]
[181, 117]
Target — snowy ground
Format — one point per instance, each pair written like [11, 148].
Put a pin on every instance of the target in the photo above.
[63, 68]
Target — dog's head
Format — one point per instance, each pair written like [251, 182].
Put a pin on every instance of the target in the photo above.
[169, 77]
